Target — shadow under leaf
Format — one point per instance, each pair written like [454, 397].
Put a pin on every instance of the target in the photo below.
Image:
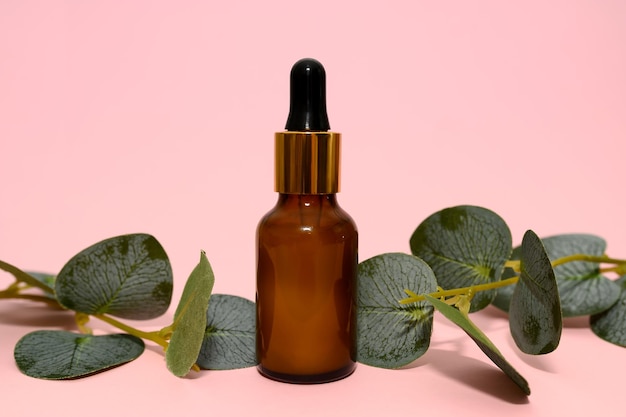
[29, 314]
[476, 374]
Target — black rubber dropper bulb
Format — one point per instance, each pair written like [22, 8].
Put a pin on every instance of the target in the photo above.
[307, 104]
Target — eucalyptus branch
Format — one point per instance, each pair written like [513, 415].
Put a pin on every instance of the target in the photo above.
[619, 267]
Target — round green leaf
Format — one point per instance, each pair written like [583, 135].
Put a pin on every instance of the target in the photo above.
[610, 325]
[535, 317]
[391, 335]
[229, 339]
[583, 290]
[465, 246]
[56, 354]
[190, 319]
[481, 340]
[126, 276]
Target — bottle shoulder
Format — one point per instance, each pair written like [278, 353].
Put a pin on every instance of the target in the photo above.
[318, 213]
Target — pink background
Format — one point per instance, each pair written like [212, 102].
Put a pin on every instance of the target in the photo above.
[158, 117]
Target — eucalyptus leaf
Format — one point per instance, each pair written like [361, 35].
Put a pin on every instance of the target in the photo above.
[390, 335]
[127, 276]
[610, 325]
[582, 289]
[481, 340]
[535, 317]
[56, 354]
[230, 336]
[28, 278]
[465, 246]
[190, 319]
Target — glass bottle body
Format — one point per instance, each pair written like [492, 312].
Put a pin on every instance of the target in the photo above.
[306, 276]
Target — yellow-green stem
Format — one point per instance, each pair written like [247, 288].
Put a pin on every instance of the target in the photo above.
[588, 258]
[153, 336]
[461, 291]
[618, 269]
[513, 264]
[32, 297]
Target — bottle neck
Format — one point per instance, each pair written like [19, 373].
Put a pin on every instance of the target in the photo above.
[307, 200]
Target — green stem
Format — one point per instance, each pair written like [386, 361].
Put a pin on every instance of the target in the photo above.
[32, 297]
[166, 332]
[25, 277]
[460, 291]
[603, 259]
[600, 259]
[618, 269]
[514, 264]
[81, 321]
[153, 336]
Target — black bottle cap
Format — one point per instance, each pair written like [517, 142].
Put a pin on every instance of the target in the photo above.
[307, 104]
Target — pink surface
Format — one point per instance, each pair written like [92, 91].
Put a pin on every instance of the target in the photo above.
[158, 117]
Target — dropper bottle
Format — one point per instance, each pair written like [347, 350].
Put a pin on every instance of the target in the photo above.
[306, 248]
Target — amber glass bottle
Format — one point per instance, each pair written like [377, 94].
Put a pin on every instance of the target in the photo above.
[306, 249]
